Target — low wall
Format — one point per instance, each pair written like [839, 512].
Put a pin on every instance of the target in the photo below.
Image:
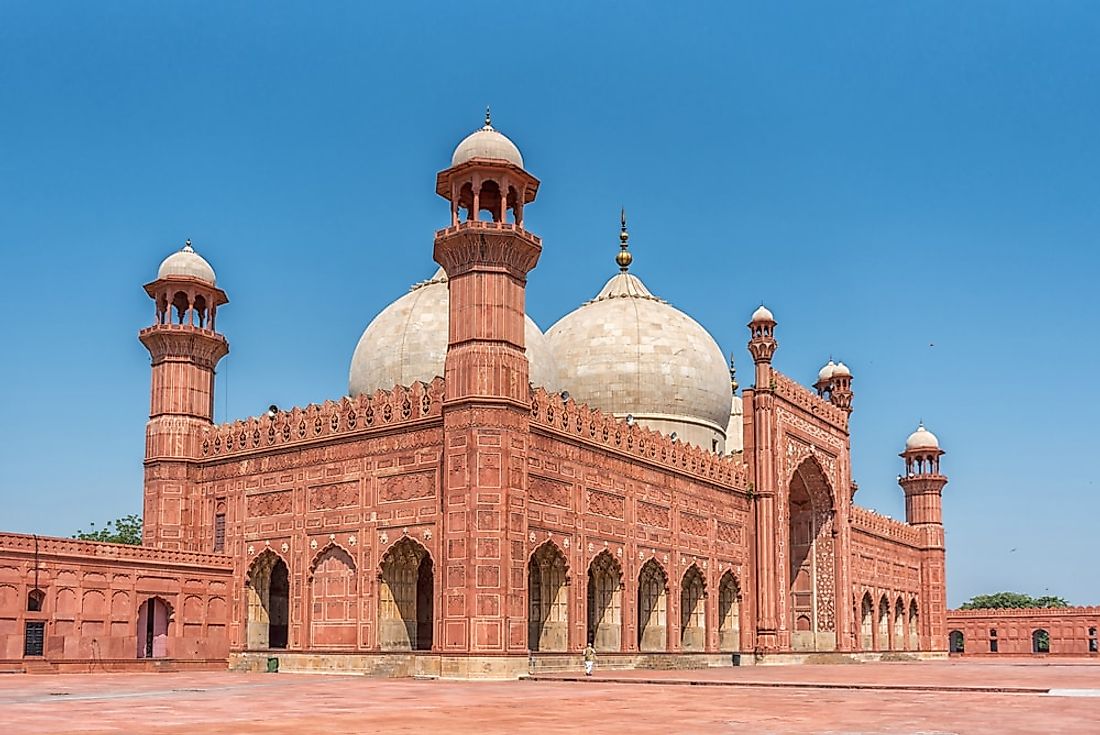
[1070, 631]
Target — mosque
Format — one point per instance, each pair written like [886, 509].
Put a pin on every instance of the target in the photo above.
[488, 497]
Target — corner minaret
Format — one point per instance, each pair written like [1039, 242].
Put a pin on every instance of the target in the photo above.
[185, 349]
[486, 412]
[761, 403]
[923, 485]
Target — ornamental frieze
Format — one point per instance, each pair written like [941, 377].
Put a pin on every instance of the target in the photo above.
[407, 486]
[652, 515]
[339, 495]
[545, 490]
[694, 525]
[270, 504]
[606, 504]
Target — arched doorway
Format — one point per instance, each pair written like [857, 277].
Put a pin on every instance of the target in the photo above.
[899, 625]
[652, 607]
[883, 642]
[956, 642]
[268, 602]
[334, 600]
[811, 576]
[405, 609]
[548, 601]
[693, 613]
[729, 613]
[914, 632]
[153, 618]
[1040, 641]
[867, 623]
[605, 603]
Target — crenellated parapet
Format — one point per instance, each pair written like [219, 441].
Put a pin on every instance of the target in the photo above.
[50, 546]
[795, 393]
[876, 524]
[567, 418]
[363, 414]
[1024, 612]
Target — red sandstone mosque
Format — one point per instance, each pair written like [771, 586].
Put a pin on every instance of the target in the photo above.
[488, 498]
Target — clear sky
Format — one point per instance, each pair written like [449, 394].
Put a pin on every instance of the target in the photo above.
[910, 187]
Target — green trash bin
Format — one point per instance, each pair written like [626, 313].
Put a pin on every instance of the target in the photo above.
[273, 664]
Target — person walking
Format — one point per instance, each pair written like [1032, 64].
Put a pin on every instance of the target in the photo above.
[589, 659]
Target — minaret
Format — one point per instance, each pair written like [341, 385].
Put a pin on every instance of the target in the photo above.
[762, 345]
[923, 485]
[185, 350]
[486, 412]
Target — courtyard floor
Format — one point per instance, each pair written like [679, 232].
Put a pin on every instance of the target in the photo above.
[957, 696]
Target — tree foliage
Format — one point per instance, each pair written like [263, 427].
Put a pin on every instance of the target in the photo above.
[125, 530]
[999, 600]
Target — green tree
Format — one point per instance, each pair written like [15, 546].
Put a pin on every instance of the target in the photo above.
[999, 600]
[125, 530]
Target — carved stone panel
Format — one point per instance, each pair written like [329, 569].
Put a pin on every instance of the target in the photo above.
[406, 486]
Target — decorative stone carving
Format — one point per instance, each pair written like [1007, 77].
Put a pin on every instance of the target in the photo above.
[407, 486]
[652, 515]
[606, 504]
[694, 525]
[546, 490]
[340, 495]
[270, 504]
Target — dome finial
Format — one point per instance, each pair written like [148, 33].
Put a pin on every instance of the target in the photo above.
[488, 117]
[187, 246]
[624, 258]
[733, 375]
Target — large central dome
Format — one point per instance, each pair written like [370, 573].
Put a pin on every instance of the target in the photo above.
[628, 352]
[407, 342]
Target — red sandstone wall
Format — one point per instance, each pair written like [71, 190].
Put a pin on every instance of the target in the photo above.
[92, 595]
[886, 561]
[1068, 629]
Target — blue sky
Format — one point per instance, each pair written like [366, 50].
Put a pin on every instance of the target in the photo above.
[910, 187]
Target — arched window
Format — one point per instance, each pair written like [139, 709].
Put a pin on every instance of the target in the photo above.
[35, 600]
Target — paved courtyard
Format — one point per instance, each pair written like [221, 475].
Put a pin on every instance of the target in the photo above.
[959, 696]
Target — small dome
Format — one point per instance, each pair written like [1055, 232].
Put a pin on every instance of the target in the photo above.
[628, 352]
[407, 342]
[186, 262]
[762, 314]
[922, 438]
[827, 371]
[841, 371]
[487, 142]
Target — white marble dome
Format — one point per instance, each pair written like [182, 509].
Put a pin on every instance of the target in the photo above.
[922, 438]
[186, 262]
[487, 142]
[762, 314]
[407, 342]
[841, 371]
[827, 371]
[627, 352]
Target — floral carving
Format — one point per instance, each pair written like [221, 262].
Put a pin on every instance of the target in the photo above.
[731, 533]
[270, 504]
[606, 504]
[693, 524]
[408, 486]
[327, 497]
[546, 490]
[653, 515]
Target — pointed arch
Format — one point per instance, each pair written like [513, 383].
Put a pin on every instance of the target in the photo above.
[729, 612]
[605, 602]
[1040, 641]
[36, 600]
[334, 598]
[155, 615]
[867, 622]
[693, 614]
[548, 599]
[899, 625]
[883, 628]
[652, 607]
[268, 595]
[914, 631]
[956, 642]
[406, 614]
[811, 563]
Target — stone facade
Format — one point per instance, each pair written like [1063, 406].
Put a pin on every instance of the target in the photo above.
[1040, 631]
[476, 524]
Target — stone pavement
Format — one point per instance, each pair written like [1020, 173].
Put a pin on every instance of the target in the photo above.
[933, 697]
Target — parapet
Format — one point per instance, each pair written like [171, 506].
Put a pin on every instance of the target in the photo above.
[876, 524]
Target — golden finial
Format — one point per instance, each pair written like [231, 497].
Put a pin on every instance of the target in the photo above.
[187, 245]
[624, 258]
[488, 117]
[733, 375]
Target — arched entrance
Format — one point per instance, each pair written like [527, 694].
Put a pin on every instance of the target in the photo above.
[152, 627]
[548, 601]
[899, 625]
[866, 623]
[812, 623]
[914, 634]
[693, 614]
[268, 602]
[652, 607]
[883, 642]
[1040, 641]
[956, 642]
[605, 603]
[729, 613]
[405, 606]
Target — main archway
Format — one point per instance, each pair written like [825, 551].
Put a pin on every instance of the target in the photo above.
[652, 607]
[268, 602]
[154, 615]
[812, 621]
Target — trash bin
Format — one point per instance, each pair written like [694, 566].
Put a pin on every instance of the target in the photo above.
[272, 664]
[737, 659]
